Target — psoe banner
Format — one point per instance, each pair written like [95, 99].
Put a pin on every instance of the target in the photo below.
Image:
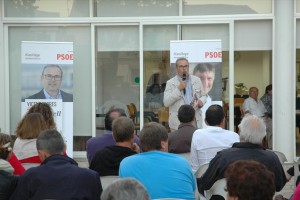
[205, 59]
[47, 76]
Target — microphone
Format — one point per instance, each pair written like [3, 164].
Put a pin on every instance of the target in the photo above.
[183, 79]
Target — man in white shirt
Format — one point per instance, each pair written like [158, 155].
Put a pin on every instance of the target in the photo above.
[253, 105]
[207, 142]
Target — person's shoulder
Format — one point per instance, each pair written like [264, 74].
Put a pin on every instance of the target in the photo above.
[38, 95]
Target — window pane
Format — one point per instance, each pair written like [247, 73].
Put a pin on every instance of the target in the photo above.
[225, 7]
[80, 36]
[46, 8]
[256, 40]
[157, 69]
[117, 73]
[297, 9]
[130, 8]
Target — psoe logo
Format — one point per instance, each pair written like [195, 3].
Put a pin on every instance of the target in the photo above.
[212, 54]
[64, 56]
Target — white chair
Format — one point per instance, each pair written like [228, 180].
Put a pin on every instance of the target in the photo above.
[280, 155]
[186, 156]
[107, 180]
[218, 188]
[29, 165]
[198, 174]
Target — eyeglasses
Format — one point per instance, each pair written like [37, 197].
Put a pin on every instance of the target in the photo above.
[50, 77]
[183, 66]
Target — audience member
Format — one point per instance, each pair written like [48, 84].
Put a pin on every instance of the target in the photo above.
[163, 174]
[95, 144]
[125, 189]
[58, 176]
[180, 140]
[249, 180]
[107, 161]
[207, 142]
[253, 105]
[252, 132]
[206, 72]
[47, 112]
[267, 100]
[52, 78]
[183, 89]
[27, 132]
[8, 181]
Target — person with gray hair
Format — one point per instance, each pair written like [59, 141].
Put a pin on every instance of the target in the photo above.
[164, 175]
[51, 78]
[125, 189]
[107, 161]
[58, 176]
[252, 132]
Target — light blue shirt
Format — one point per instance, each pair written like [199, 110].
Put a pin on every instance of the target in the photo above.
[47, 95]
[164, 175]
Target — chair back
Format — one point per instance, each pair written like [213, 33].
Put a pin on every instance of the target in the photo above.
[186, 156]
[163, 114]
[280, 155]
[201, 170]
[107, 180]
[218, 188]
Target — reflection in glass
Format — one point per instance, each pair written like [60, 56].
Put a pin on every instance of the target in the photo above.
[46, 8]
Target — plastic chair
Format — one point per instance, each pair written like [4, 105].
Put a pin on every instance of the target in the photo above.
[280, 155]
[186, 156]
[107, 180]
[218, 188]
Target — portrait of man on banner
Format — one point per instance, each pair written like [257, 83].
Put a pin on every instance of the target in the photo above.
[55, 82]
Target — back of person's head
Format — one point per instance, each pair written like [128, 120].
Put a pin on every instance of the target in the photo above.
[268, 88]
[252, 129]
[125, 189]
[123, 129]
[204, 67]
[111, 115]
[186, 113]
[46, 110]
[30, 126]
[214, 115]
[5, 146]
[152, 135]
[249, 180]
[50, 141]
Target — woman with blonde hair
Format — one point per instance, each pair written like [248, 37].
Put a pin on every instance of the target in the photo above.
[8, 180]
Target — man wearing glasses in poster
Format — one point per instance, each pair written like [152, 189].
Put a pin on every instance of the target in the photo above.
[52, 78]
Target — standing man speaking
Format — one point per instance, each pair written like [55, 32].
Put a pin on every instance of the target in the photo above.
[184, 89]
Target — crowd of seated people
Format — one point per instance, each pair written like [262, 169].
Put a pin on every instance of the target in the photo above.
[160, 173]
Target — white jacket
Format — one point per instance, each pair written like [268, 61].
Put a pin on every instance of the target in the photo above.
[173, 98]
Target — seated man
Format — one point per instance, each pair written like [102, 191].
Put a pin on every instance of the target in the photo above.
[58, 176]
[252, 132]
[180, 140]
[107, 161]
[253, 105]
[95, 144]
[207, 142]
[249, 180]
[164, 175]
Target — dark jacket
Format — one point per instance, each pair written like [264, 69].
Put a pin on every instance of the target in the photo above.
[180, 140]
[241, 151]
[66, 97]
[107, 161]
[8, 183]
[58, 177]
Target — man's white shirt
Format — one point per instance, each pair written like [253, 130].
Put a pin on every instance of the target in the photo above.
[207, 142]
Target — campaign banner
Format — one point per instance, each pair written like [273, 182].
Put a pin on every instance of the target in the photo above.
[205, 62]
[47, 76]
